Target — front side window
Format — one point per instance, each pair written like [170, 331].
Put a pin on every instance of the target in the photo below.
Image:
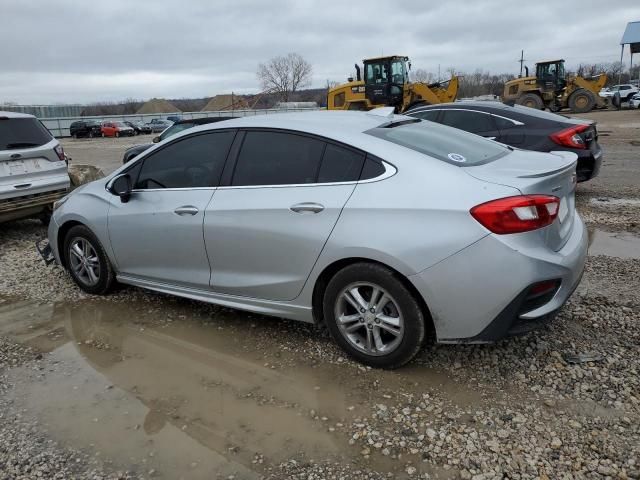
[473, 122]
[275, 158]
[397, 72]
[175, 128]
[376, 73]
[190, 162]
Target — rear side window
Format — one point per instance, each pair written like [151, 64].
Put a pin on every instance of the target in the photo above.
[473, 122]
[340, 165]
[444, 143]
[190, 162]
[372, 168]
[431, 115]
[18, 133]
[275, 158]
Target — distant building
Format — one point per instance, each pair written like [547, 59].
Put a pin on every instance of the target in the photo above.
[46, 111]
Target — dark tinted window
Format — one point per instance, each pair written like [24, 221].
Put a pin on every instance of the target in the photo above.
[444, 143]
[372, 169]
[191, 162]
[22, 133]
[430, 115]
[340, 165]
[274, 158]
[503, 123]
[473, 122]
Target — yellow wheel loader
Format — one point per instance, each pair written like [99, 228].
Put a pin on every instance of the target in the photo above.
[551, 88]
[386, 84]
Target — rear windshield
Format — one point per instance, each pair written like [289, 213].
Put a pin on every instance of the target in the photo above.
[444, 143]
[22, 133]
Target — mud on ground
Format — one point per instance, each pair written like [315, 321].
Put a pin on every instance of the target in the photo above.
[141, 385]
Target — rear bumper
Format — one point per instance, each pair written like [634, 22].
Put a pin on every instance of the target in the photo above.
[477, 295]
[589, 163]
[37, 198]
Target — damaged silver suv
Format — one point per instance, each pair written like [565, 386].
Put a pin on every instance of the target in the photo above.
[33, 168]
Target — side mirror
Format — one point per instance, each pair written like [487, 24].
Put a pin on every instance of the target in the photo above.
[156, 139]
[121, 186]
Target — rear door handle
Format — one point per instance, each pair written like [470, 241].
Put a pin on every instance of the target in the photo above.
[186, 210]
[307, 207]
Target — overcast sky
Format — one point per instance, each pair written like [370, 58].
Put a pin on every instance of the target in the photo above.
[57, 51]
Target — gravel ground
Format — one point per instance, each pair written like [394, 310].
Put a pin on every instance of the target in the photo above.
[563, 402]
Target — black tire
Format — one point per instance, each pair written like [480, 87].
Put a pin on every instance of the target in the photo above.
[90, 135]
[408, 308]
[582, 101]
[74, 136]
[106, 278]
[531, 100]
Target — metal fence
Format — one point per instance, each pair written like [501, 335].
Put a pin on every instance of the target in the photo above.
[59, 127]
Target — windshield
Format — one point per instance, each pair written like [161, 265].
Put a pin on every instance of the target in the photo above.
[444, 143]
[176, 128]
[22, 133]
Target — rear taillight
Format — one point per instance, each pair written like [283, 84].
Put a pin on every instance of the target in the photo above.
[59, 151]
[570, 137]
[517, 214]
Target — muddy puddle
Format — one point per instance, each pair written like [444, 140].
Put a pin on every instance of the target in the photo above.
[614, 244]
[198, 396]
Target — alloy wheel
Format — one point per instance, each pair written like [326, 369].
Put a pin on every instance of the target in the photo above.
[84, 261]
[369, 318]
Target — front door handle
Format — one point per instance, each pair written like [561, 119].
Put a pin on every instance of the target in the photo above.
[307, 207]
[186, 210]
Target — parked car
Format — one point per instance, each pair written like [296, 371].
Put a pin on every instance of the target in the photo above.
[85, 128]
[174, 118]
[139, 128]
[33, 168]
[635, 101]
[626, 91]
[116, 129]
[131, 152]
[381, 227]
[522, 127]
[159, 125]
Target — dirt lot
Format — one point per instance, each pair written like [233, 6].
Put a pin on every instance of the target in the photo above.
[141, 385]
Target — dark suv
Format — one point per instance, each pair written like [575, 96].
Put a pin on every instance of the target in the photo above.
[172, 130]
[85, 128]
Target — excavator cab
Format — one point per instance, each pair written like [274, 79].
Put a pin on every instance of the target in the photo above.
[385, 79]
[551, 75]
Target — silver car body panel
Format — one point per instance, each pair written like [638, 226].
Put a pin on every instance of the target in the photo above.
[414, 219]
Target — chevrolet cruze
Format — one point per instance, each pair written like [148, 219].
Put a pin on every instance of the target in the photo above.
[384, 228]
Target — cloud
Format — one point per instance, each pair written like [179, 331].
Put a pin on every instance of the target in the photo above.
[70, 51]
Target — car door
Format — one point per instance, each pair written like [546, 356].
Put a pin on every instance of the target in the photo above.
[266, 229]
[157, 235]
[472, 121]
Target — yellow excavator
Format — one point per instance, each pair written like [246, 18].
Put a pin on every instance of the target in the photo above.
[386, 84]
[551, 88]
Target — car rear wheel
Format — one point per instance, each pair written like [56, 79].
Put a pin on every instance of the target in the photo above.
[87, 261]
[372, 315]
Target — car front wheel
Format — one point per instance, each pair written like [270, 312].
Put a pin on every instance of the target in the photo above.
[87, 261]
[373, 316]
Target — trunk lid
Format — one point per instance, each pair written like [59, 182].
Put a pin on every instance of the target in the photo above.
[551, 173]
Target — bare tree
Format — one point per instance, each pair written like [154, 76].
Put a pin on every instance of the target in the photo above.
[284, 75]
[421, 75]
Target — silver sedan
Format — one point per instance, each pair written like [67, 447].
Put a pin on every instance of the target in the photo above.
[386, 229]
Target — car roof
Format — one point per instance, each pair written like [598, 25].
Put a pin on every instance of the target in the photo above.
[15, 115]
[468, 103]
[339, 125]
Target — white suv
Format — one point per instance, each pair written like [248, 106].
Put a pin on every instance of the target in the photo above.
[626, 91]
[33, 168]
[635, 101]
